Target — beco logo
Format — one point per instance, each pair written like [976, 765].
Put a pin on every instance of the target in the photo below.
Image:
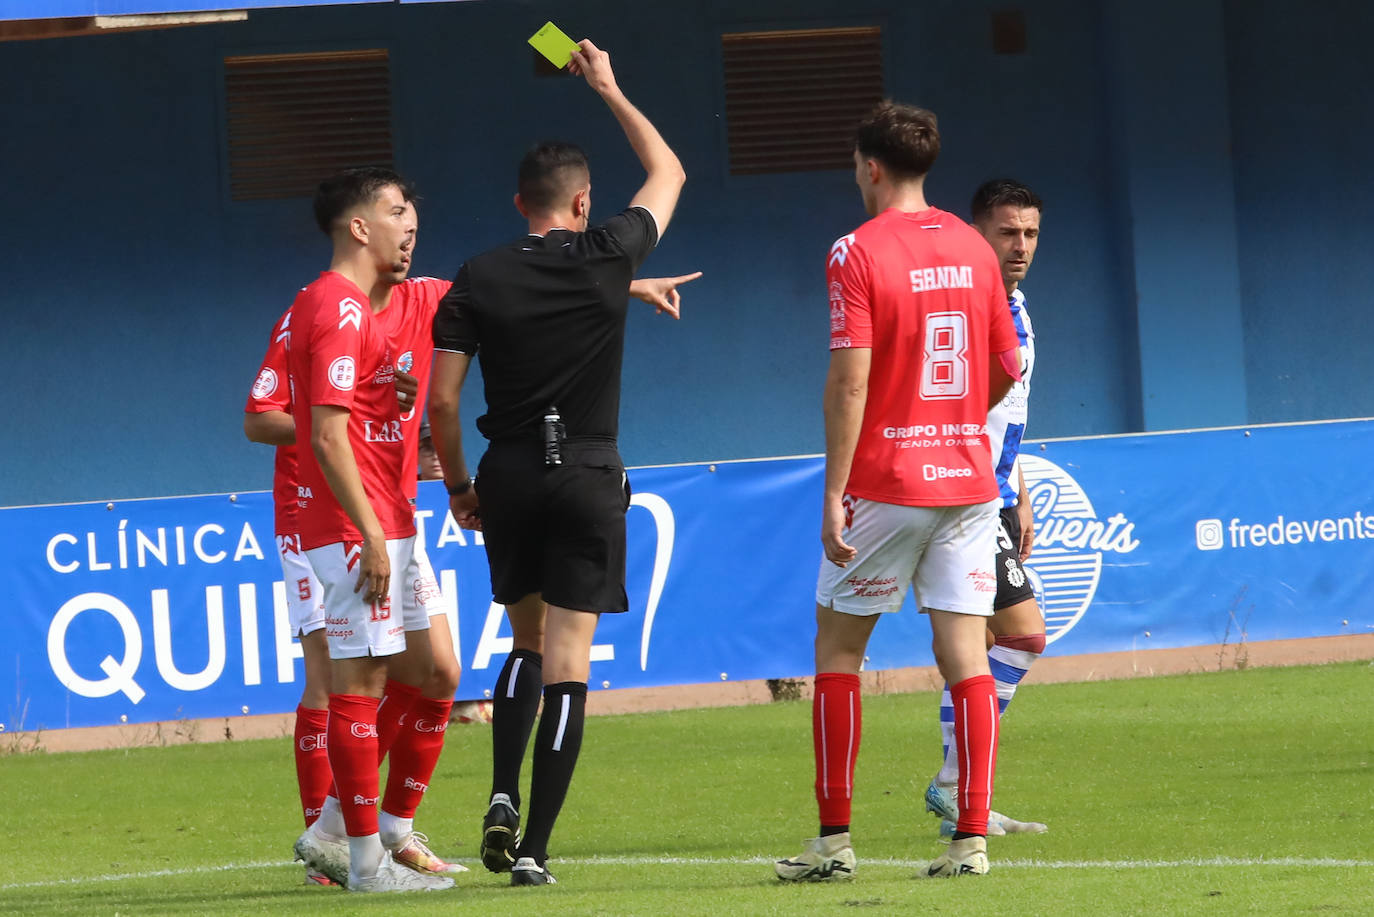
[1070, 540]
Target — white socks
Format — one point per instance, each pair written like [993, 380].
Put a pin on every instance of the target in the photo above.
[364, 857]
[394, 829]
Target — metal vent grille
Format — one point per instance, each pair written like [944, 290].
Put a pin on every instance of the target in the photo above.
[793, 98]
[295, 119]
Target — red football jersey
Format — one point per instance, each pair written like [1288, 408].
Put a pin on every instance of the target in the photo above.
[339, 355]
[408, 322]
[924, 292]
[272, 392]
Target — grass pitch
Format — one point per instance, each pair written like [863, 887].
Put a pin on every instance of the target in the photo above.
[1239, 792]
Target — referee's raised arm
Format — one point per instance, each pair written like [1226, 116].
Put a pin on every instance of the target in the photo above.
[660, 190]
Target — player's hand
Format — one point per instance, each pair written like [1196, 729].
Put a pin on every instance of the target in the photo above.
[466, 511]
[374, 571]
[1027, 517]
[595, 65]
[661, 292]
[833, 523]
[407, 389]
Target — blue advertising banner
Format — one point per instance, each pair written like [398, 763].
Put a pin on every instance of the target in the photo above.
[64, 9]
[150, 610]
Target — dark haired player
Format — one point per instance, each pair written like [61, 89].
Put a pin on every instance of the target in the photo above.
[546, 317]
[267, 419]
[1007, 213]
[920, 339]
[413, 714]
[356, 525]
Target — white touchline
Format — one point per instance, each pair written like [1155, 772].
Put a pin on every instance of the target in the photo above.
[1220, 862]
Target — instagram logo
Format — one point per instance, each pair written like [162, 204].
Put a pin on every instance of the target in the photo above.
[1209, 534]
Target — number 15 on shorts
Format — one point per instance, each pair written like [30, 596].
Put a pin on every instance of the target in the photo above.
[381, 610]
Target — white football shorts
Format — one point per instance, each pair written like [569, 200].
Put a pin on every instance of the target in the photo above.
[944, 552]
[356, 628]
[304, 597]
[421, 598]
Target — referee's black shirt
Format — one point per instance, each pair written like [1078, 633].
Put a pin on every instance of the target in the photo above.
[546, 318]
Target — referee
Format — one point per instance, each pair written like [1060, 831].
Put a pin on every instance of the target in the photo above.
[546, 317]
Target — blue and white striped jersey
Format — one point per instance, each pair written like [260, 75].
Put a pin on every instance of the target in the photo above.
[1007, 421]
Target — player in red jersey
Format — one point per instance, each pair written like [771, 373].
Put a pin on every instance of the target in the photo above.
[413, 713]
[412, 717]
[267, 419]
[921, 343]
[356, 524]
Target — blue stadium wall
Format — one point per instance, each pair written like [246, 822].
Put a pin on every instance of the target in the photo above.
[1203, 165]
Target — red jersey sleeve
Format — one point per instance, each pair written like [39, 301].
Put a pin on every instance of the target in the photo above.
[434, 290]
[336, 341]
[272, 390]
[850, 286]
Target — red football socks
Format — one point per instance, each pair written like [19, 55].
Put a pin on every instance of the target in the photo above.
[414, 756]
[396, 702]
[975, 734]
[313, 774]
[353, 756]
[836, 722]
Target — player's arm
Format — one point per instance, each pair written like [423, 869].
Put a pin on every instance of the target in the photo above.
[1004, 369]
[271, 428]
[661, 292]
[660, 191]
[267, 416]
[329, 441]
[1004, 364]
[1024, 514]
[446, 429]
[846, 394]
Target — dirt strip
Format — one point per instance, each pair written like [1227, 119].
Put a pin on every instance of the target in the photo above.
[1051, 669]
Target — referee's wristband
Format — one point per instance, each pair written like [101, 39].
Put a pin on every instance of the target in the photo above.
[457, 490]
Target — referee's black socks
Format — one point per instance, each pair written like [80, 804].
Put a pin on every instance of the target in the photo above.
[514, 704]
[556, 746]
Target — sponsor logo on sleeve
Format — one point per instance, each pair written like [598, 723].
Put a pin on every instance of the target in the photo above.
[837, 314]
[343, 373]
[266, 383]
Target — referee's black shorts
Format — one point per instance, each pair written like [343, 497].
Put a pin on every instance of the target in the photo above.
[1013, 586]
[557, 530]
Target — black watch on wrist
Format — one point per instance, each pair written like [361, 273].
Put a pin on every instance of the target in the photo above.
[457, 490]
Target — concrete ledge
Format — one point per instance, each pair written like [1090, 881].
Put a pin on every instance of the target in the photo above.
[1051, 669]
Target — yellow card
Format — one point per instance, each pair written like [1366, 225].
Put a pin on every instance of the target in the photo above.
[551, 42]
